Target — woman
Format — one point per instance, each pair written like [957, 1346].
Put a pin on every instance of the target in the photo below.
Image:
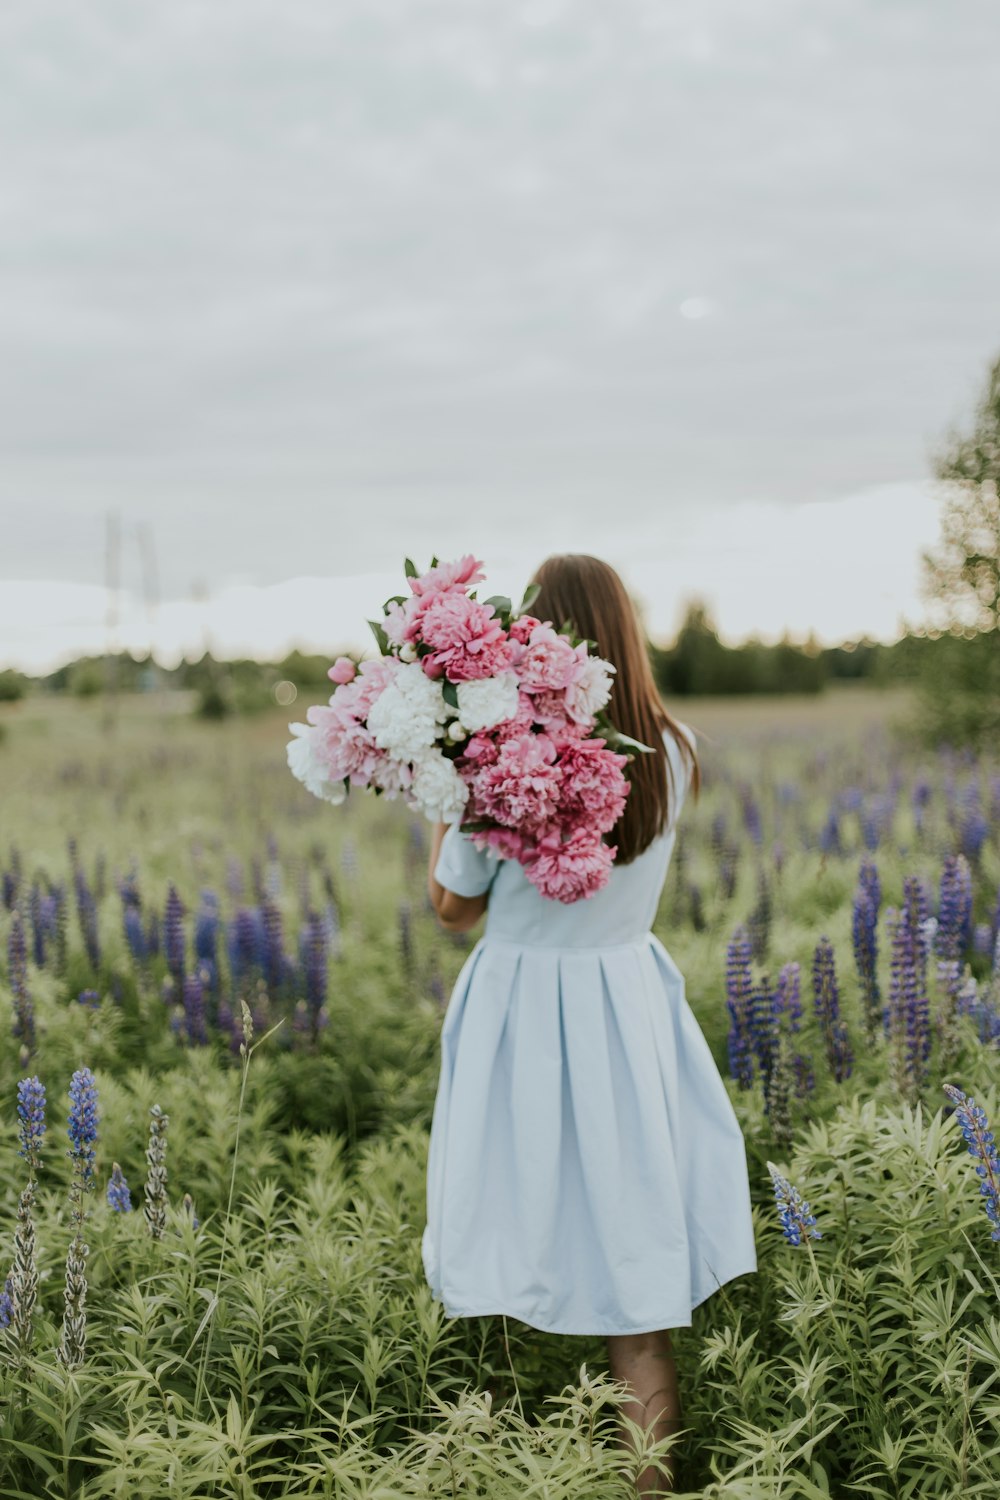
[587, 1173]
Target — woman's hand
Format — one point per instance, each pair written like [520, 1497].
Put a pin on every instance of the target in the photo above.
[454, 913]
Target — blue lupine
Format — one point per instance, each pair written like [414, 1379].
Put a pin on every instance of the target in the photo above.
[982, 1148]
[134, 935]
[797, 1222]
[763, 1027]
[89, 997]
[83, 1120]
[826, 1002]
[788, 999]
[31, 1114]
[739, 999]
[119, 1197]
[954, 921]
[173, 935]
[7, 1303]
[245, 941]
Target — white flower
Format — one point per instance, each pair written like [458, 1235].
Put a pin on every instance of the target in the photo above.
[438, 790]
[590, 692]
[405, 717]
[309, 768]
[488, 701]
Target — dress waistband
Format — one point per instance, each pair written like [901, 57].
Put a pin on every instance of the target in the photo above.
[641, 941]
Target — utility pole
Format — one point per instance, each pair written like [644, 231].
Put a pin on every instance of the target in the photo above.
[112, 578]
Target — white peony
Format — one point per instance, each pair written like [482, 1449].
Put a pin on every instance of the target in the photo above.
[591, 691]
[487, 702]
[405, 717]
[309, 768]
[438, 790]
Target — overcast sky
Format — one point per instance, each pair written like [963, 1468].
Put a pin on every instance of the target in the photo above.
[696, 285]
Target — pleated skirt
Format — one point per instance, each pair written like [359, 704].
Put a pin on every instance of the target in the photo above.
[587, 1173]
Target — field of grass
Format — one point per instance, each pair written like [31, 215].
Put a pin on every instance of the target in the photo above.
[181, 897]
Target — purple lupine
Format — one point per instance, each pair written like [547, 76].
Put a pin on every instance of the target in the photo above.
[274, 945]
[17, 973]
[11, 885]
[751, 815]
[152, 944]
[788, 1001]
[954, 920]
[7, 1303]
[245, 942]
[86, 910]
[194, 1010]
[313, 955]
[921, 797]
[91, 998]
[173, 935]
[864, 930]
[131, 900]
[729, 870]
[739, 999]
[973, 827]
[206, 931]
[717, 835]
[907, 1016]
[759, 920]
[829, 834]
[763, 1027]
[826, 1002]
[37, 925]
[982, 1148]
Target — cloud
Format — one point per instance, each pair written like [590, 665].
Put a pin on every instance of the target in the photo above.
[308, 286]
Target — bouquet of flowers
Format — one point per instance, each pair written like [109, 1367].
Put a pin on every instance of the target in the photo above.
[476, 714]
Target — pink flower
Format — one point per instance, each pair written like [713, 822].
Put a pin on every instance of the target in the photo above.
[520, 789]
[344, 744]
[548, 662]
[467, 639]
[343, 670]
[447, 576]
[521, 628]
[548, 708]
[506, 842]
[404, 622]
[374, 676]
[594, 789]
[570, 871]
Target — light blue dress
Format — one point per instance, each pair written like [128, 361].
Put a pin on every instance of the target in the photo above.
[587, 1173]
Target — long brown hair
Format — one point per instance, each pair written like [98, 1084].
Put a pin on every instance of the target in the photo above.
[588, 595]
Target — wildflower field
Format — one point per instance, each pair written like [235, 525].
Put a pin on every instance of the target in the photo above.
[219, 1011]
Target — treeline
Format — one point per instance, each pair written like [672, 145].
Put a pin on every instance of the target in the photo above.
[698, 663]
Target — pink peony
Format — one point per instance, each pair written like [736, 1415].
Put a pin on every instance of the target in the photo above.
[506, 842]
[344, 670]
[344, 744]
[448, 576]
[467, 639]
[548, 708]
[594, 789]
[521, 628]
[548, 662]
[520, 789]
[570, 871]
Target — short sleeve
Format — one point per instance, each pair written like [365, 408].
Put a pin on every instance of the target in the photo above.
[461, 867]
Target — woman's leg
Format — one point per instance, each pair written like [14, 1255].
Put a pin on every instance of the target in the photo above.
[646, 1363]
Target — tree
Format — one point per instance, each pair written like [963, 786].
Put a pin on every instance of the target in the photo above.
[961, 580]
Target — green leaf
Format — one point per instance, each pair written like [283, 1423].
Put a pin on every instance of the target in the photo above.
[500, 604]
[409, 568]
[531, 593]
[450, 692]
[434, 562]
[380, 636]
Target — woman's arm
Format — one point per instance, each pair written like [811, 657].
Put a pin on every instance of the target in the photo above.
[455, 913]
